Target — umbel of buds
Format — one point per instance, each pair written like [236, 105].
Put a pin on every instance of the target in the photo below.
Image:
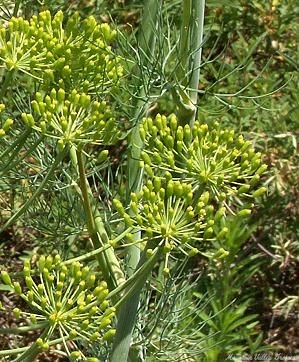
[67, 303]
[72, 118]
[166, 214]
[53, 48]
[195, 178]
[208, 158]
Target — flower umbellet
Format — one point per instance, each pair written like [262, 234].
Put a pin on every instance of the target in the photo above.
[78, 52]
[207, 157]
[72, 118]
[67, 302]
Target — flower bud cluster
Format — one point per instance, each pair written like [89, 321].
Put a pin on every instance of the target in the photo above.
[67, 301]
[208, 157]
[165, 211]
[51, 48]
[196, 177]
[72, 118]
[6, 124]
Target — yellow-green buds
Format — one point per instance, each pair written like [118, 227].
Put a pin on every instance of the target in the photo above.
[67, 300]
[212, 159]
[72, 118]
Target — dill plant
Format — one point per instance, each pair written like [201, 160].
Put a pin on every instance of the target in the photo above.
[184, 178]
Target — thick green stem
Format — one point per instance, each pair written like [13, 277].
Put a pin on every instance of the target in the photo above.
[198, 13]
[185, 92]
[128, 310]
[184, 41]
[107, 259]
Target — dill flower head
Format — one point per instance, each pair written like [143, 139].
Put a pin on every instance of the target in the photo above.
[67, 303]
[206, 157]
[194, 179]
[72, 118]
[165, 211]
[50, 48]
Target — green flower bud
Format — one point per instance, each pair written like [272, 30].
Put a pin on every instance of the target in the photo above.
[244, 213]
[75, 355]
[255, 179]
[91, 280]
[169, 142]
[7, 124]
[104, 323]
[85, 324]
[5, 277]
[103, 155]
[45, 346]
[148, 170]
[208, 233]
[28, 119]
[187, 133]
[73, 334]
[33, 318]
[61, 95]
[259, 192]
[170, 189]
[30, 296]
[39, 342]
[109, 334]
[180, 134]
[221, 253]
[261, 169]
[193, 252]
[243, 189]
[223, 233]
[17, 288]
[29, 282]
[16, 312]
[118, 206]
[41, 289]
[166, 271]
[128, 220]
[146, 158]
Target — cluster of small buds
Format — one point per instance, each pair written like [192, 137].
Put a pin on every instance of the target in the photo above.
[208, 157]
[6, 124]
[165, 211]
[66, 301]
[72, 118]
[50, 48]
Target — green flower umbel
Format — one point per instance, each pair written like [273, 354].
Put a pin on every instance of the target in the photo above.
[50, 48]
[165, 212]
[72, 118]
[67, 303]
[206, 157]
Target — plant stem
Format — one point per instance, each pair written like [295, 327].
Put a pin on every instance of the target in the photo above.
[107, 259]
[198, 11]
[184, 41]
[128, 310]
[185, 93]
